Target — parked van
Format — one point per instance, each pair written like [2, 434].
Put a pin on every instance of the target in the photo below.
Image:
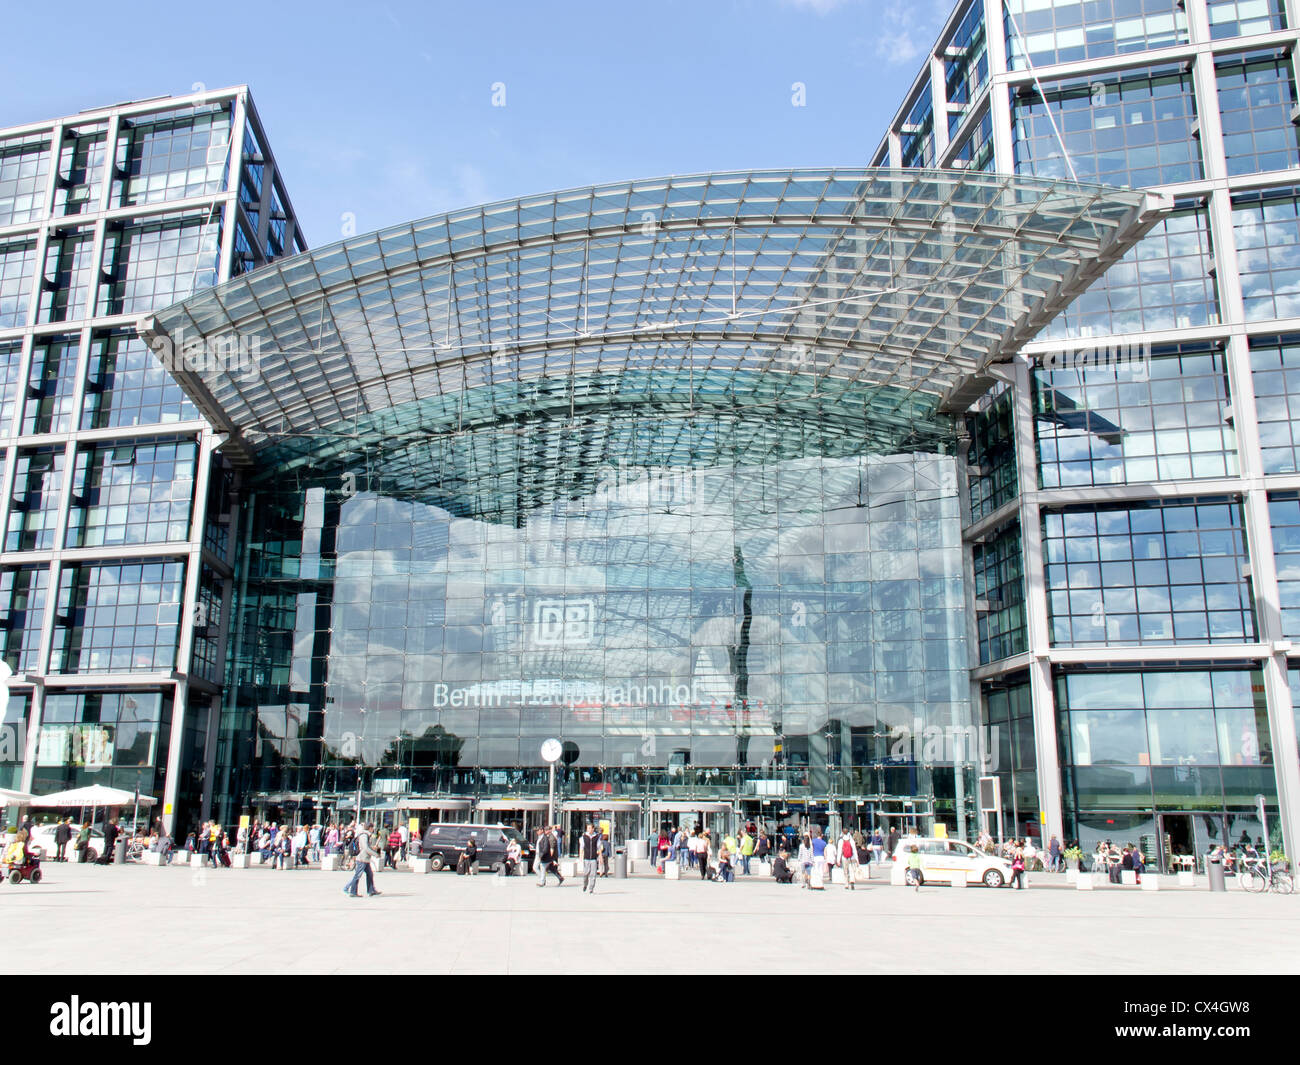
[444, 843]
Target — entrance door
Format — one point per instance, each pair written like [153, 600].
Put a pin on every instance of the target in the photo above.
[1177, 841]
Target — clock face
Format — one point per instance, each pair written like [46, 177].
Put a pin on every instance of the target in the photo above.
[551, 750]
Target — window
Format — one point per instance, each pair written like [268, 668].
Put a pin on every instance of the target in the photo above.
[1242, 18]
[135, 493]
[1267, 229]
[1275, 366]
[118, 617]
[22, 609]
[34, 511]
[1256, 97]
[81, 170]
[24, 176]
[1165, 282]
[17, 264]
[966, 61]
[1129, 128]
[65, 291]
[1158, 418]
[999, 584]
[917, 132]
[156, 263]
[50, 382]
[1063, 31]
[1157, 573]
[1284, 512]
[172, 156]
[991, 460]
[127, 385]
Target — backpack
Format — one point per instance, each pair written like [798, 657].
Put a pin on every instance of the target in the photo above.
[847, 849]
[354, 848]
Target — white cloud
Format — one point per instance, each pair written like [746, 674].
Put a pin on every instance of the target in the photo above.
[905, 29]
[818, 7]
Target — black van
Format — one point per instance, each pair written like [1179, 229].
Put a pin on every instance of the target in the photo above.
[444, 843]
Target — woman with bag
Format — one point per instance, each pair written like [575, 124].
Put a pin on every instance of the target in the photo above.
[1018, 868]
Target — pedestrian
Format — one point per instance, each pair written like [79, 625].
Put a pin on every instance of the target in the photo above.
[891, 843]
[763, 846]
[394, 848]
[590, 845]
[847, 859]
[806, 859]
[606, 853]
[746, 850]
[61, 836]
[83, 843]
[1055, 861]
[819, 858]
[364, 857]
[726, 872]
[547, 858]
[1018, 868]
[914, 867]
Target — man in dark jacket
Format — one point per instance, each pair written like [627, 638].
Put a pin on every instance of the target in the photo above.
[891, 843]
[110, 837]
[61, 836]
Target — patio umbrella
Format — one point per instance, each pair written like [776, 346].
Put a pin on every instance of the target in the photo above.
[94, 796]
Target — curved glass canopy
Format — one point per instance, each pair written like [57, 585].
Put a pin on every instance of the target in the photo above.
[488, 358]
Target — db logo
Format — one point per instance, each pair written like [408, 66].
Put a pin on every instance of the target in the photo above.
[563, 622]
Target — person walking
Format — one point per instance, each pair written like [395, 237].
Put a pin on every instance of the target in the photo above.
[547, 858]
[395, 846]
[746, 850]
[891, 843]
[364, 857]
[819, 857]
[590, 847]
[606, 853]
[847, 859]
[83, 843]
[1018, 868]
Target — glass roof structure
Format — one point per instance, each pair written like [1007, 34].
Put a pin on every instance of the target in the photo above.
[493, 358]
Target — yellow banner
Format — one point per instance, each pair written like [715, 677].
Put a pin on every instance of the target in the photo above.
[414, 825]
[245, 820]
[940, 830]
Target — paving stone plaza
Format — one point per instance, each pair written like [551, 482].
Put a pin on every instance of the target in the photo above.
[135, 920]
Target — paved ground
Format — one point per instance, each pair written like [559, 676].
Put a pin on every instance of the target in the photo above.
[140, 919]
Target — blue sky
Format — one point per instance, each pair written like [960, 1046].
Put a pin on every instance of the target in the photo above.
[385, 111]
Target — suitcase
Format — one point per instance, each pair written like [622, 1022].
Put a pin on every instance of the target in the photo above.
[225, 859]
[462, 865]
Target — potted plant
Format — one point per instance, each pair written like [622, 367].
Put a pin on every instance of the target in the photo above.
[1278, 860]
[1073, 864]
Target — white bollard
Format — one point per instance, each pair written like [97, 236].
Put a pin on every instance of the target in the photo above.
[1128, 878]
[420, 865]
[837, 875]
[151, 858]
[197, 860]
[238, 861]
[1084, 883]
[1186, 879]
[897, 874]
[672, 871]
[1150, 882]
[1072, 876]
[330, 863]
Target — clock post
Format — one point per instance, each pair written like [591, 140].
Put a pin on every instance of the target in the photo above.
[551, 751]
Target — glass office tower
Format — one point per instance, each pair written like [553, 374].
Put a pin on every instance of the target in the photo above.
[1134, 519]
[116, 564]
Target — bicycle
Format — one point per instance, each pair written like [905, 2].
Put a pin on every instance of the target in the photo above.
[1256, 877]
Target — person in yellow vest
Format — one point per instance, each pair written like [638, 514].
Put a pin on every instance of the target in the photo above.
[746, 850]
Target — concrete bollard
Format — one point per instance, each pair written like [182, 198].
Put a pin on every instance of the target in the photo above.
[1186, 879]
[197, 860]
[897, 874]
[330, 863]
[1150, 882]
[672, 871]
[420, 865]
[837, 875]
[1072, 876]
[1128, 878]
[238, 861]
[1084, 883]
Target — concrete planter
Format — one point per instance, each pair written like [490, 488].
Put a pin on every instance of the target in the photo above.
[1128, 878]
[1186, 879]
[1072, 876]
[331, 863]
[1084, 883]
[1150, 882]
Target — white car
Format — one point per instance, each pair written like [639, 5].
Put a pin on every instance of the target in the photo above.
[43, 837]
[941, 858]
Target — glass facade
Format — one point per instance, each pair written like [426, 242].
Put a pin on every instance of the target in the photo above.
[690, 633]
